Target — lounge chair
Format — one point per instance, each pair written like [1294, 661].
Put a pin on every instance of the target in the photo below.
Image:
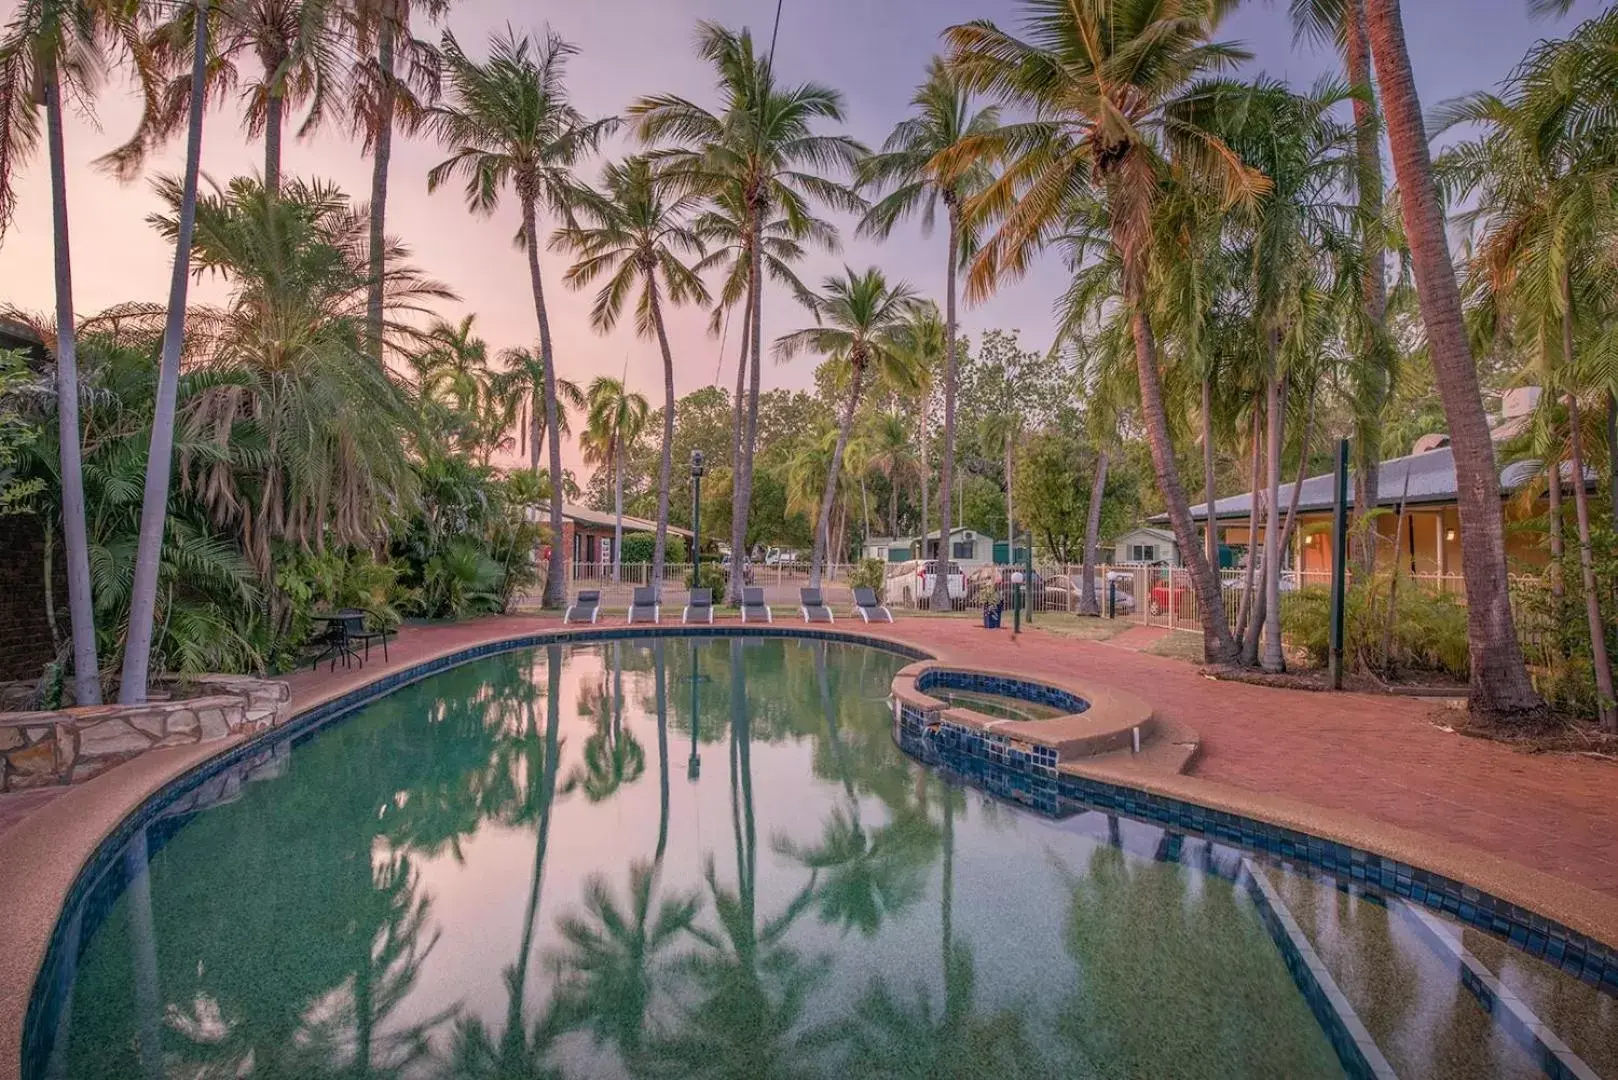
[701, 603]
[814, 606]
[753, 606]
[645, 605]
[587, 607]
[866, 603]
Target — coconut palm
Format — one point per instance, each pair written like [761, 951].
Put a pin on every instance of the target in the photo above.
[1499, 680]
[520, 389]
[160, 451]
[640, 234]
[1540, 176]
[1107, 84]
[616, 418]
[393, 77]
[926, 341]
[760, 150]
[937, 154]
[861, 321]
[509, 121]
[891, 453]
[52, 46]
[294, 47]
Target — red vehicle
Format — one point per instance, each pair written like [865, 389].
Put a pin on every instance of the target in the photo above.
[1185, 599]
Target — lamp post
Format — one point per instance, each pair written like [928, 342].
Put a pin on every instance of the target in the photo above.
[697, 469]
[1016, 601]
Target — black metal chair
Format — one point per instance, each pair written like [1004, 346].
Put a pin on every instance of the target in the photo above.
[364, 636]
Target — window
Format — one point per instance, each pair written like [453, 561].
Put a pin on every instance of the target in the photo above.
[960, 549]
[1143, 553]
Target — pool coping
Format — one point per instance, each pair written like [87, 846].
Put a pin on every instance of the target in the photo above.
[60, 848]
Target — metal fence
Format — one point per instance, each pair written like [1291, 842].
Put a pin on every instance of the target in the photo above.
[780, 582]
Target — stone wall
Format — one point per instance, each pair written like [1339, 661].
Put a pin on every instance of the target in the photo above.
[69, 746]
[27, 636]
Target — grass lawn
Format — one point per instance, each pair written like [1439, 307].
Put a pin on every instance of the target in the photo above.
[1179, 646]
[1084, 627]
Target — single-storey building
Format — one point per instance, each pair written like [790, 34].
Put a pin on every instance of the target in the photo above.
[971, 548]
[1146, 545]
[587, 535]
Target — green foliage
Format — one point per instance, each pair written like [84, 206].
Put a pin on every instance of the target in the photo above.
[17, 431]
[982, 505]
[868, 574]
[639, 548]
[1428, 632]
[1052, 495]
[711, 577]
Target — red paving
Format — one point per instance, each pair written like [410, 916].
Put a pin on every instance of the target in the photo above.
[1380, 757]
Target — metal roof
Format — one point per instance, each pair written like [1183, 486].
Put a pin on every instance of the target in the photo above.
[602, 519]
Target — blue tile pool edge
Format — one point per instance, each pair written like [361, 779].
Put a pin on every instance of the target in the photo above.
[304, 723]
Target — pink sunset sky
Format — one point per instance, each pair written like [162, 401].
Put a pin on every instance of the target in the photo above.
[874, 51]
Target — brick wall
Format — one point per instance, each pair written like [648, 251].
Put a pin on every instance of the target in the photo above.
[23, 630]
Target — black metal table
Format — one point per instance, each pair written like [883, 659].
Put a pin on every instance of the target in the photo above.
[341, 629]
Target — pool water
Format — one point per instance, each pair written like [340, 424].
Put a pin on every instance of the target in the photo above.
[706, 857]
[996, 705]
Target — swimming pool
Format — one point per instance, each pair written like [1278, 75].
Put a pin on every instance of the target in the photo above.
[707, 856]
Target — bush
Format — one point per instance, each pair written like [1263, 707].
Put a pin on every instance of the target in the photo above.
[1429, 629]
[868, 574]
[639, 547]
[713, 577]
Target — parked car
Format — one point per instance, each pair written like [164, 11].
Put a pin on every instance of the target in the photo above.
[1062, 592]
[911, 583]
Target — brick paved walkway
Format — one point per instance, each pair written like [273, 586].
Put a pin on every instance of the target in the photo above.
[1380, 757]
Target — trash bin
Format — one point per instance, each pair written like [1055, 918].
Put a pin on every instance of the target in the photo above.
[991, 615]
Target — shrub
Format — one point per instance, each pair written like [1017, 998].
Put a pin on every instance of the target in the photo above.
[713, 577]
[639, 547]
[868, 574]
[1428, 634]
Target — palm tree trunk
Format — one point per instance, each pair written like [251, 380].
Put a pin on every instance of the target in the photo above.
[823, 531]
[893, 506]
[1612, 455]
[1246, 634]
[1011, 520]
[1218, 646]
[665, 466]
[382, 154]
[940, 600]
[617, 507]
[927, 473]
[742, 467]
[1210, 534]
[1553, 493]
[160, 450]
[275, 110]
[555, 587]
[662, 752]
[1581, 512]
[1089, 603]
[1273, 659]
[1500, 684]
[1373, 285]
[76, 544]
[1291, 522]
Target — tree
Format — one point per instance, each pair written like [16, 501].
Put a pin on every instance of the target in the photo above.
[936, 154]
[1500, 685]
[521, 389]
[759, 153]
[51, 46]
[509, 121]
[1104, 84]
[616, 418]
[892, 454]
[381, 100]
[640, 233]
[861, 321]
[1048, 487]
[295, 46]
[160, 451]
[925, 339]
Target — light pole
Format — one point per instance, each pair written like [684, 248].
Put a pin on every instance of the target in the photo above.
[1016, 601]
[697, 469]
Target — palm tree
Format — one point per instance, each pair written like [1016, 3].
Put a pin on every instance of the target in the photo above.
[927, 341]
[296, 46]
[862, 319]
[616, 419]
[639, 234]
[381, 99]
[1342, 23]
[936, 154]
[160, 451]
[761, 152]
[520, 389]
[1105, 83]
[892, 454]
[508, 121]
[51, 46]
[1499, 682]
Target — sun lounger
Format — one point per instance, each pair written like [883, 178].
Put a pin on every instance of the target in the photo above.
[587, 608]
[754, 609]
[814, 606]
[644, 605]
[866, 603]
[700, 605]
